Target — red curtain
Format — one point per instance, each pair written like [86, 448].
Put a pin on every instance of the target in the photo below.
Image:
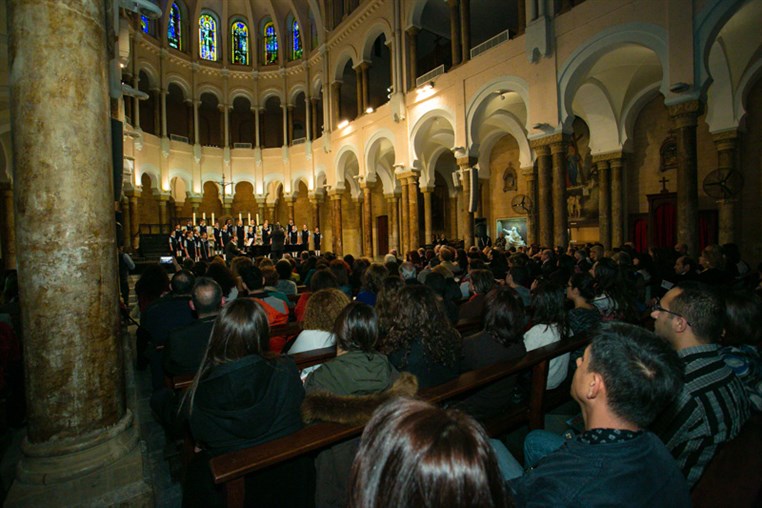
[708, 228]
[665, 218]
[640, 235]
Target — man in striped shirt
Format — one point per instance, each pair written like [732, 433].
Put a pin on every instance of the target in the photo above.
[713, 405]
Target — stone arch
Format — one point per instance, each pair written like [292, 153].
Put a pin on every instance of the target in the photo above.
[707, 25]
[153, 173]
[241, 92]
[176, 79]
[150, 71]
[380, 26]
[427, 130]
[271, 92]
[347, 54]
[208, 88]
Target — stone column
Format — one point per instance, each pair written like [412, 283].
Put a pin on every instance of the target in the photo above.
[410, 181]
[392, 200]
[412, 34]
[364, 66]
[125, 204]
[270, 212]
[163, 93]
[726, 144]
[7, 227]
[134, 218]
[313, 105]
[453, 215]
[336, 232]
[78, 422]
[358, 90]
[405, 209]
[257, 126]
[454, 31]
[604, 202]
[684, 117]
[544, 193]
[336, 103]
[428, 235]
[290, 116]
[560, 214]
[163, 199]
[617, 203]
[284, 120]
[136, 100]
[196, 138]
[261, 208]
[468, 216]
[530, 178]
[367, 219]
[290, 201]
[156, 95]
[357, 245]
[465, 29]
[315, 202]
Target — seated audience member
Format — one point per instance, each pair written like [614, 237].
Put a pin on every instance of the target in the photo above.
[285, 283]
[685, 269]
[275, 308]
[713, 406]
[224, 277]
[549, 326]
[481, 283]
[185, 347]
[164, 315]
[321, 279]
[625, 378]
[270, 276]
[151, 285]
[413, 454]
[438, 283]
[319, 319]
[519, 278]
[341, 270]
[346, 390]
[614, 295]
[741, 339]
[387, 302]
[241, 398]
[581, 291]
[422, 341]
[500, 341]
[408, 273]
[371, 283]
[713, 267]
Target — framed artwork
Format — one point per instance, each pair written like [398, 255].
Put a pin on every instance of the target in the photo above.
[514, 229]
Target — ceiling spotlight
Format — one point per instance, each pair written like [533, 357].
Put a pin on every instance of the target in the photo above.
[343, 124]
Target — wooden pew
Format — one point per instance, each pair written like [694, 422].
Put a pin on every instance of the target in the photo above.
[230, 469]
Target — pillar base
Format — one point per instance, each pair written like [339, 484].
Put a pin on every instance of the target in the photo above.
[120, 483]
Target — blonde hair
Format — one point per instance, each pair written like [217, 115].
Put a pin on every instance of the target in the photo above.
[323, 308]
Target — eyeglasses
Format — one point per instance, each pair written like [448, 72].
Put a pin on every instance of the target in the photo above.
[658, 308]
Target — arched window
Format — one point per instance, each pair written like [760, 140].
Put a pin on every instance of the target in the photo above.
[239, 36]
[296, 41]
[271, 43]
[207, 37]
[175, 27]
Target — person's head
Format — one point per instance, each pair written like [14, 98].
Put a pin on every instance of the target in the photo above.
[222, 275]
[238, 263]
[628, 372]
[322, 279]
[483, 281]
[270, 275]
[711, 257]
[284, 269]
[520, 275]
[206, 298]
[386, 303]
[505, 317]
[374, 277]
[446, 254]
[340, 269]
[581, 285]
[356, 328]
[548, 299]
[688, 315]
[743, 315]
[596, 253]
[443, 271]
[681, 249]
[415, 454]
[252, 277]
[182, 283]
[407, 270]
[684, 264]
[323, 308]
[421, 317]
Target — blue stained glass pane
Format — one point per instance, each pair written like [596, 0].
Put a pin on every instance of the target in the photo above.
[271, 44]
[296, 44]
[207, 37]
[240, 35]
[145, 24]
[174, 28]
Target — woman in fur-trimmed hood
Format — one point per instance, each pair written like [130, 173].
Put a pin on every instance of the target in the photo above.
[347, 390]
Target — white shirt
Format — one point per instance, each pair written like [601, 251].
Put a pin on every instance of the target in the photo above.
[542, 335]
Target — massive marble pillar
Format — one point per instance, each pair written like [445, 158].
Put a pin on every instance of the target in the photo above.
[726, 144]
[604, 202]
[336, 225]
[617, 201]
[544, 193]
[367, 220]
[392, 202]
[684, 118]
[428, 236]
[454, 31]
[560, 213]
[405, 221]
[7, 227]
[532, 227]
[78, 421]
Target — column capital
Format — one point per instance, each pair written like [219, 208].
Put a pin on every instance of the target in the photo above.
[528, 172]
[616, 162]
[336, 194]
[685, 114]
[546, 141]
[605, 157]
[391, 197]
[412, 30]
[725, 140]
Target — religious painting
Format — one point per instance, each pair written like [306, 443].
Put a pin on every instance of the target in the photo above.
[513, 229]
[668, 153]
[509, 178]
[581, 177]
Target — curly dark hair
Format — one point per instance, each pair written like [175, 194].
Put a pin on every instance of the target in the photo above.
[421, 316]
[374, 277]
[387, 302]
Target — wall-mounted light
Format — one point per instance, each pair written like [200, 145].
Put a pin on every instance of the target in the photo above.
[343, 124]
[369, 110]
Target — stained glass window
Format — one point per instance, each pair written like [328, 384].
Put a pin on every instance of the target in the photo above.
[145, 24]
[296, 41]
[207, 37]
[240, 37]
[271, 43]
[174, 28]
